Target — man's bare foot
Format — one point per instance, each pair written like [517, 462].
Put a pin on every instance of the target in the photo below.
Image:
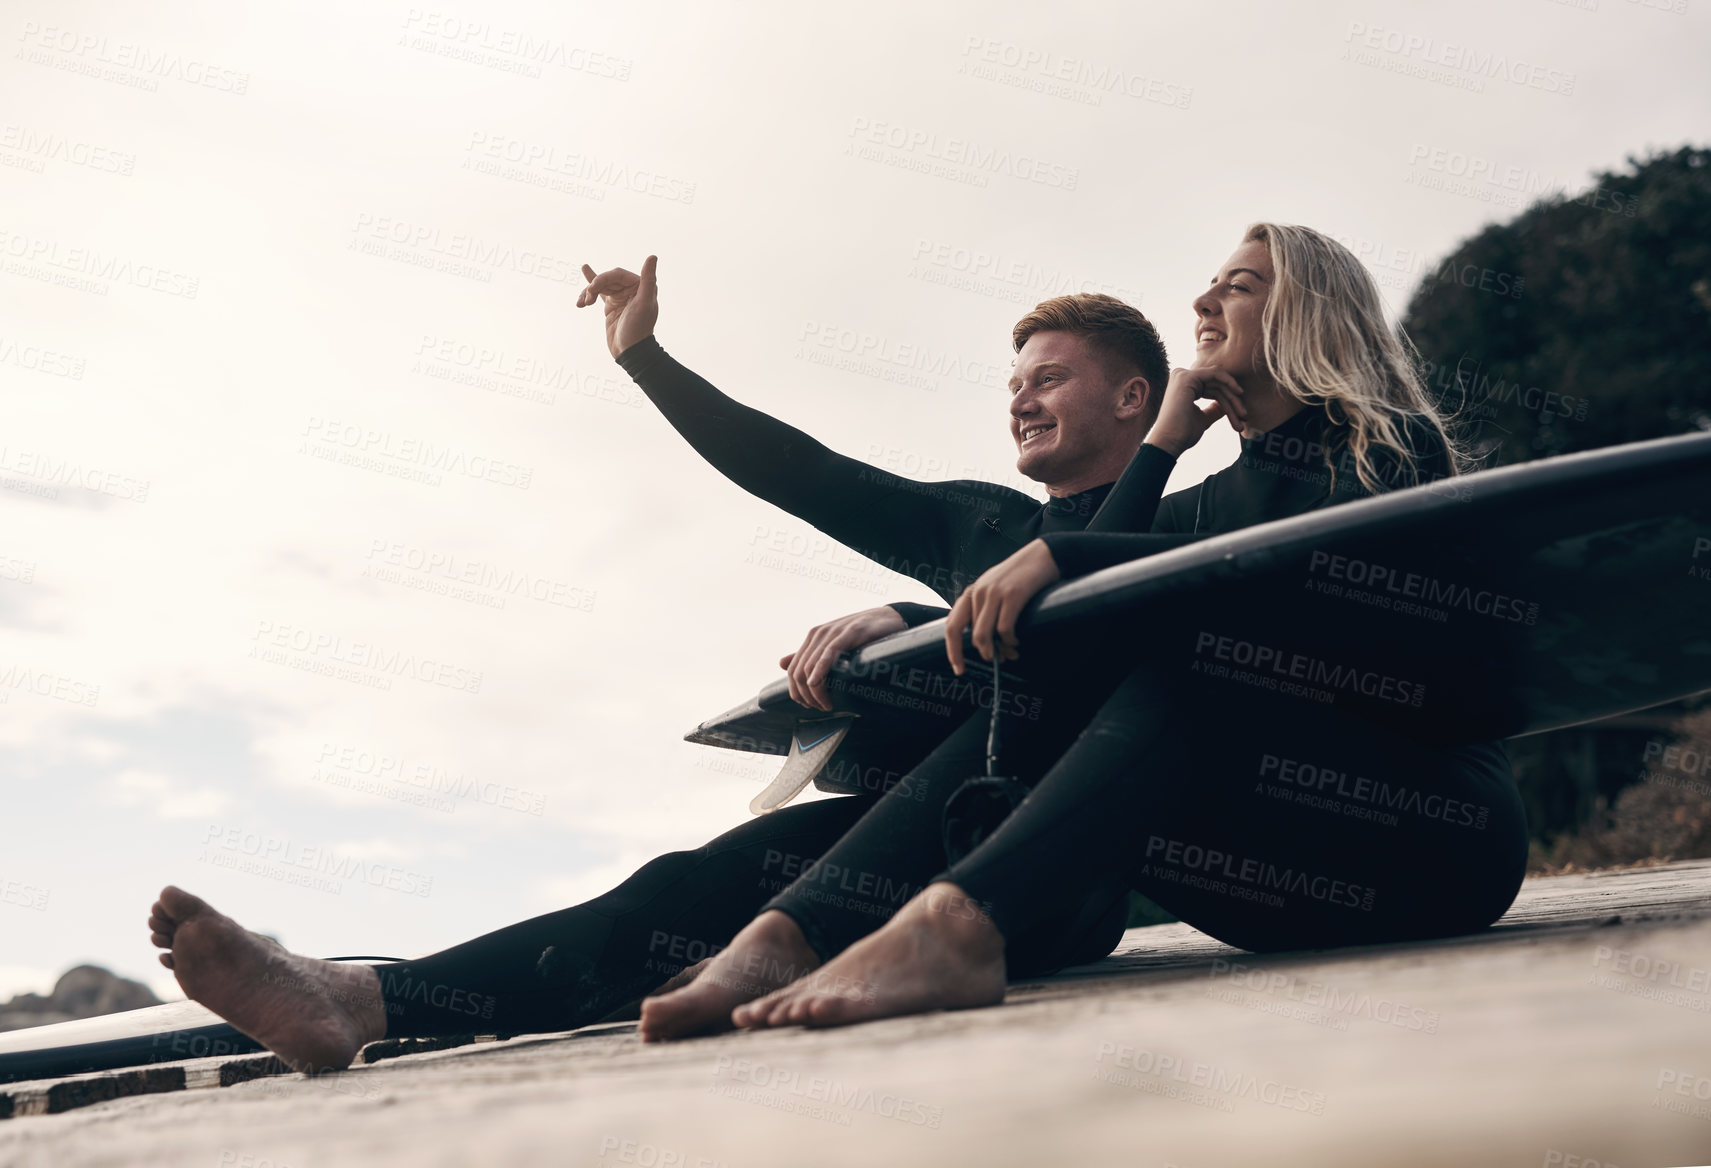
[315, 1015]
[940, 952]
[768, 953]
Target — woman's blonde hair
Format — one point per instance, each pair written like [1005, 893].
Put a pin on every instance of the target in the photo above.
[1327, 343]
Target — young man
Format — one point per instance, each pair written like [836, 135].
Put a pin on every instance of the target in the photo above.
[1089, 375]
[1088, 378]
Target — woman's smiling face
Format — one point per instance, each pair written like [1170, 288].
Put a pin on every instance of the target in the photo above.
[1229, 334]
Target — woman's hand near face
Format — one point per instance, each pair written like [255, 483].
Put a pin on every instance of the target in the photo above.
[1182, 420]
[632, 303]
[989, 607]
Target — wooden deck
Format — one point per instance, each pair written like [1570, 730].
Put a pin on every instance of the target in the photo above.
[1575, 1033]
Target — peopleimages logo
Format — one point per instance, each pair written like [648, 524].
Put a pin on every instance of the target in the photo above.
[980, 158]
[1350, 1003]
[1261, 874]
[47, 684]
[384, 447]
[46, 145]
[1277, 669]
[1313, 785]
[69, 472]
[24, 895]
[273, 642]
[265, 854]
[1443, 60]
[782, 1086]
[154, 64]
[1397, 585]
[1224, 1082]
[478, 253]
[350, 762]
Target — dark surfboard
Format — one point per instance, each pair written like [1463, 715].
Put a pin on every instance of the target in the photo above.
[132, 1038]
[154, 1034]
[1498, 604]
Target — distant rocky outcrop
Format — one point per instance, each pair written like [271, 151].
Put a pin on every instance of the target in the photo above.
[83, 992]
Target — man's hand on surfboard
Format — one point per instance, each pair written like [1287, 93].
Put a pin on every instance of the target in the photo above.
[806, 669]
[992, 603]
[632, 302]
[1182, 420]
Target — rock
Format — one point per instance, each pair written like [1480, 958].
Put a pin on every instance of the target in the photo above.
[85, 991]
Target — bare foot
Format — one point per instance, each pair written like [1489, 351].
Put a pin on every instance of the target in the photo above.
[768, 953]
[683, 977]
[315, 1015]
[940, 952]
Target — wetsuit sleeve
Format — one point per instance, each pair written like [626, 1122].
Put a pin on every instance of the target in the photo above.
[1079, 552]
[1133, 502]
[879, 514]
[918, 614]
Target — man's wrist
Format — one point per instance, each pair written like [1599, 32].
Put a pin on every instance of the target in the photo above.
[630, 349]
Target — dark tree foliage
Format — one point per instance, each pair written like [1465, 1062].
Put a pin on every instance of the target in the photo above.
[1583, 322]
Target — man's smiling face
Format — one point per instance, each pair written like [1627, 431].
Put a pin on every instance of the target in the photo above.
[1063, 404]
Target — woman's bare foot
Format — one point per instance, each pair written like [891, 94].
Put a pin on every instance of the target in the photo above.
[768, 953]
[940, 952]
[315, 1015]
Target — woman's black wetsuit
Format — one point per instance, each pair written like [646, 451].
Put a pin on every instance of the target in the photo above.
[1266, 821]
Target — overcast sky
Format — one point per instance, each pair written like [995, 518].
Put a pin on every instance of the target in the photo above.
[264, 264]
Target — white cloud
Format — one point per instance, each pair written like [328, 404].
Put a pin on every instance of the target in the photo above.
[165, 797]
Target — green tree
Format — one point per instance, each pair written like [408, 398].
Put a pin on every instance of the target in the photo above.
[1585, 321]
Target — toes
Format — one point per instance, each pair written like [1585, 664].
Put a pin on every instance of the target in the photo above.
[179, 905]
[682, 978]
[659, 1016]
[759, 1013]
[825, 1011]
[783, 1011]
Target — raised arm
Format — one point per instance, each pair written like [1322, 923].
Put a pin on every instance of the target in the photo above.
[881, 515]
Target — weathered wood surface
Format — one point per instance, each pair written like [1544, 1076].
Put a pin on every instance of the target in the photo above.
[1576, 1031]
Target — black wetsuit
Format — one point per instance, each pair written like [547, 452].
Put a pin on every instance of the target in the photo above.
[571, 967]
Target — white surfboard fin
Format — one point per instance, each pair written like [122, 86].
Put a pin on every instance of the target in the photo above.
[811, 747]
